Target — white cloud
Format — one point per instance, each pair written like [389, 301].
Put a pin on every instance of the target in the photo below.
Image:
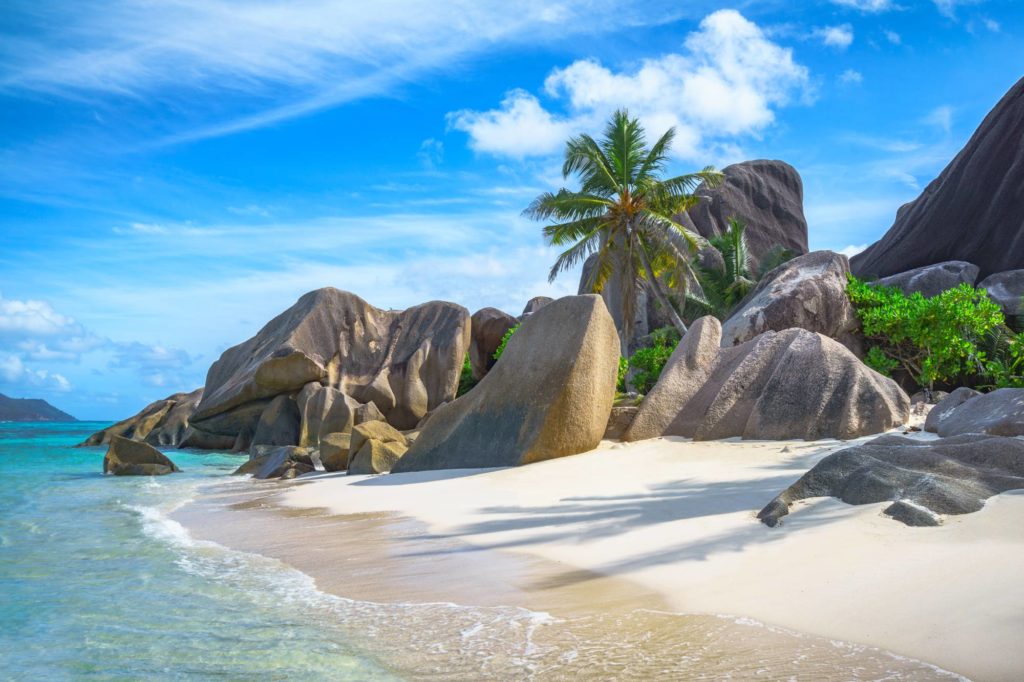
[727, 82]
[275, 59]
[839, 37]
[32, 318]
[431, 153]
[941, 117]
[867, 6]
[851, 76]
[15, 375]
[852, 250]
[893, 37]
[948, 7]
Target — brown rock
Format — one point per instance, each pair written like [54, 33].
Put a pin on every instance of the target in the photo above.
[334, 451]
[376, 457]
[133, 458]
[489, 327]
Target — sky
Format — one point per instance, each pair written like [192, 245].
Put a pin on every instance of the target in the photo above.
[173, 174]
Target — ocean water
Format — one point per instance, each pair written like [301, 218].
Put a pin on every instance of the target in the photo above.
[98, 582]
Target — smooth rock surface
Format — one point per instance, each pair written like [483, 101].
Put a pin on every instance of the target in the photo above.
[323, 410]
[376, 457]
[535, 304]
[334, 451]
[549, 396]
[766, 195]
[923, 479]
[489, 326]
[780, 385]
[1006, 289]
[999, 413]
[944, 407]
[127, 457]
[808, 292]
[973, 211]
[932, 280]
[406, 362]
[279, 423]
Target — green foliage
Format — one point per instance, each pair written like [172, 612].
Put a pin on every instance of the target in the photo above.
[877, 360]
[620, 381]
[934, 339]
[1005, 359]
[504, 342]
[647, 363]
[466, 380]
[624, 211]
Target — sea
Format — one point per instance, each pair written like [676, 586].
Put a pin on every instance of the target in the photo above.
[98, 582]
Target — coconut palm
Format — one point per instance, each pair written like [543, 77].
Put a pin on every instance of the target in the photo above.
[625, 212]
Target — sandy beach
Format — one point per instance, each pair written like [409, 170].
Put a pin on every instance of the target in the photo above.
[677, 518]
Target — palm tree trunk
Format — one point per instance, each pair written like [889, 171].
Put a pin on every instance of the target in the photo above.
[659, 293]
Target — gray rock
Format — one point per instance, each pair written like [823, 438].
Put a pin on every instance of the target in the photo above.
[323, 410]
[127, 457]
[999, 413]
[945, 406]
[164, 422]
[928, 397]
[973, 211]
[535, 304]
[334, 451]
[1007, 289]
[489, 327]
[406, 362]
[932, 280]
[619, 421]
[279, 423]
[923, 479]
[808, 292]
[780, 385]
[275, 462]
[766, 195]
[549, 396]
[368, 412]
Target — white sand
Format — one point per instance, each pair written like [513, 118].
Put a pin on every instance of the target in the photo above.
[679, 518]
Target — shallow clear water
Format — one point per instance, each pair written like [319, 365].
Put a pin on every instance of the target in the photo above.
[99, 583]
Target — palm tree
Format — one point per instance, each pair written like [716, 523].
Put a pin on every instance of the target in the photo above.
[623, 211]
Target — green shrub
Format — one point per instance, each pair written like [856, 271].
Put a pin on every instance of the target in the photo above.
[1005, 359]
[933, 339]
[466, 380]
[620, 382]
[504, 342]
[647, 363]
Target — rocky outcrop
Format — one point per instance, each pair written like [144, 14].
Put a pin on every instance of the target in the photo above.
[1007, 290]
[404, 362]
[334, 451]
[377, 446]
[922, 479]
[808, 292]
[999, 413]
[932, 280]
[127, 457]
[163, 422]
[549, 396]
[285, 462]
[766, 195]
[945, 406]
[535, 304]
[279, 423]
[619, 421]
[779, 385]
[489, 326]
[973, 211]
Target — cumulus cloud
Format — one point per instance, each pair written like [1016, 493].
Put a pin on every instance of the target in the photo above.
[14, 373]
[839, 37]
[867, 6]
[728, 81]
[852, 250]
[32, 317]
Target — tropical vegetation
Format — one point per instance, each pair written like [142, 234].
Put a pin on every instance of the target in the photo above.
[626, 213]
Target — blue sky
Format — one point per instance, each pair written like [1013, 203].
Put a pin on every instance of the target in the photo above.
[174, 174]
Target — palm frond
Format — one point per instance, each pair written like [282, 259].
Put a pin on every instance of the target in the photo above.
[574, 255]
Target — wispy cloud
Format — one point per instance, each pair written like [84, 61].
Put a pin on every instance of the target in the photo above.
[941, 117]
[867, 6]
[839, 37]
[273, 60]
[851, 76]
[727, 82]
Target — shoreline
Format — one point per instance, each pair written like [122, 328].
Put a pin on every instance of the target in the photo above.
[661, 526]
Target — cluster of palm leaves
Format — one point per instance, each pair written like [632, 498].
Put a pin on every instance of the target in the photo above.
[626, 213]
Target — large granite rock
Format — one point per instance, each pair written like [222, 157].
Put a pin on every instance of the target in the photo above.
[808, 292]
[766, 195]
[334, 451]
[999, 413]
[405, 362]
[946, 405]
[489, 326]
[127, 457]
[549, 396]
[932, 280]
[1007, 289]
[323, 410]
[780, 385]
[973, 211]
[535, 304]
[163, 422]
[279, 422]
[922, 479]
[286, 461]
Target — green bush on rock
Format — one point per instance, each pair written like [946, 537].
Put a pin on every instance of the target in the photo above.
[934, 339]
[647, 363]
[504, 342]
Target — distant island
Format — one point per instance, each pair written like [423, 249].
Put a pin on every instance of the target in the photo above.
[30, 410]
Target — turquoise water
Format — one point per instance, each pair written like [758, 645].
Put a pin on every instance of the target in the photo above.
[99, 583]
